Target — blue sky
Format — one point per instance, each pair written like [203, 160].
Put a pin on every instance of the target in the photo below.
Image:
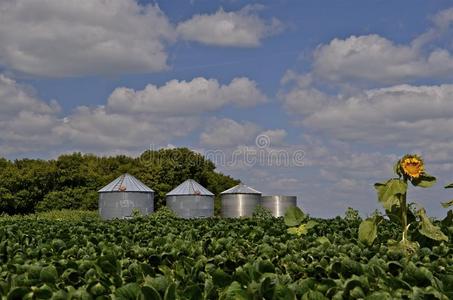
[352, 85]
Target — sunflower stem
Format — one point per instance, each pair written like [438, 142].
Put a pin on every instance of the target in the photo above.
[404, 214]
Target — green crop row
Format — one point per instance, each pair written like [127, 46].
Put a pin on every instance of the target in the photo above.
[161, 257]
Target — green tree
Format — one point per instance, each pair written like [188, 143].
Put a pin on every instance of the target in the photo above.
[72, 180]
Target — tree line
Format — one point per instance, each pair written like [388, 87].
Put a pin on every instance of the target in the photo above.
[72, 180]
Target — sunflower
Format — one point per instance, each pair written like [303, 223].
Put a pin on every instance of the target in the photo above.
[412, 166]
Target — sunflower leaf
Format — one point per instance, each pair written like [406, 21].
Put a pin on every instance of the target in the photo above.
[368, 230]
[447, 204]
[390, 192]
[428, 229]
[450, 186]
[448, 221]
[294, 216]
[397, 168]
[406, 246]
[424, 181]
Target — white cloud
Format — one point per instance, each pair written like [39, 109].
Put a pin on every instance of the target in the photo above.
[299, 95]
[81, 37]
[227, 133]
[14, 98]
[182, 97]
[443, 19]
[275, 136]
[405, 115]
[374, 59]
[305, 101]
[97, 129]
[130, 120]
[243, 28]
[26, 123]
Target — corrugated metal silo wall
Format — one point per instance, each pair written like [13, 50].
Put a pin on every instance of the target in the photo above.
[121, 205]
[191, 206]
[239, 205]
[278, 204]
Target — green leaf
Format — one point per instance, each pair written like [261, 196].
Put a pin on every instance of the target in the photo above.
[428, 229]
[149, 293]
[170, 293]
[390, 191]
[302, 229]
[379, 295]
[265, 266]
[267, 288]
[314, 295]
[283, 292]
[71, 276]
[220, 278]
[234, 292]
[48, 274]
[323, 240]
[449, 186]
[108, 264]
[397, 168]
[311, 224]
[160, 283]
[294, 216]
[406, 246]
[129, 291]
[417, 276]
[424, 181]
[192, 291]
[97, 289]
[44, 292]
[17, 293]
[368, 230]
[447, 204]
[60, 295]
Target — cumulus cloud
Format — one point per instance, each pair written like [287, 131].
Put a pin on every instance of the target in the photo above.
[15, 98]
[29, 124]
[404, 115]
[275, 136]
[243, 28]
[374, 59]
[300, 96]
[129, 120]
[81, 37]
[227, 132]
[26, 122]
[230, 133]
[182, 97]
[305, 101]
[337, 97]
[97, 129]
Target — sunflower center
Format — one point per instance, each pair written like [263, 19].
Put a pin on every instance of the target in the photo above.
[413, 168]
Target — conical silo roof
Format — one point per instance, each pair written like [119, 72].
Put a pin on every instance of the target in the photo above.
[241, 189]
[190, 187]
[126, 183]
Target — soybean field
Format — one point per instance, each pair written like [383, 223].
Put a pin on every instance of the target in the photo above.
[162, 257]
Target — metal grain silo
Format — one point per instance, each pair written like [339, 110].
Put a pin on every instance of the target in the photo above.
[239, 201]
[122, 196]
[191, 200]
[278, 204]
